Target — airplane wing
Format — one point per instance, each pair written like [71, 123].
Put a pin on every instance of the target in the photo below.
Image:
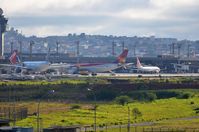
[54, 66]
[112, 73]
[129, 64]
[10, 65]
[125, 65]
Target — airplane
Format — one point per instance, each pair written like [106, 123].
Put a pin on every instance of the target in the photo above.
[149, 69]
[29, 66]
[94, 68]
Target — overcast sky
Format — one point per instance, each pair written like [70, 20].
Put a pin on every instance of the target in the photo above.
[162, 18]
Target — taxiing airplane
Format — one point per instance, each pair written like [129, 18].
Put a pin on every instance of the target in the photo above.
[30, 66]
[148, 69]
[95, 68]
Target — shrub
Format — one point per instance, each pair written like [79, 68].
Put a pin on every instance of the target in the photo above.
[122, 100]
[142, 86]
[62, 120]
[167, 94]
[75, 106]
[106, 95]
[151, 96]
[143, 96]
[102, 95]
[136, 113]
[196, 110]
[185, 95]
[171, 94]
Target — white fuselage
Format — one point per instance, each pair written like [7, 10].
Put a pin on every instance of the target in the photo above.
[36, 66]
[153, 69]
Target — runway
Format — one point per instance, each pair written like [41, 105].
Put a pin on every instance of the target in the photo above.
[148, 75]
[104, 75]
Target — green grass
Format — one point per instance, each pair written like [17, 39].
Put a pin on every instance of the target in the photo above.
[179, 123]
[63, 81]
[103, 80]
[60, 114]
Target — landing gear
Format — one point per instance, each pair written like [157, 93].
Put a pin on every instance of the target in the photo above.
[94, 74]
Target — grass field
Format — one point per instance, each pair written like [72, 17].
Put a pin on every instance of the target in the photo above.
[159, 111]
[162, 112]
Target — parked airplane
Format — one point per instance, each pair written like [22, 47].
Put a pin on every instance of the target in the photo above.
[151, 69]
[95, 68]
[30, 66]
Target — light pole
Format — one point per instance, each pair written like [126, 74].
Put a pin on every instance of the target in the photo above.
[38, 109]
[122, 46]
[134, 50]
[31, 45]
[20, 48]
[95, 109]
[113, 48]
[11, 47]
[57, 48]
[129, 120]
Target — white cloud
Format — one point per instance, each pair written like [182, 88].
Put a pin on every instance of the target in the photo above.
[133, 17]
[140, 14]
[44, 31]
[173, 3]
[46, 7]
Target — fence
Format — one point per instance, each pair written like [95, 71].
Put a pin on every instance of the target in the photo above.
[124, 128]
[13, 113]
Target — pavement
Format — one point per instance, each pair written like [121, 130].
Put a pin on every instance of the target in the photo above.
[115, 75]
[150, 75]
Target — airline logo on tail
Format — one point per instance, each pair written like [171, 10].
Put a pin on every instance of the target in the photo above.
[122, 57]
[14, 58]
[139, 65]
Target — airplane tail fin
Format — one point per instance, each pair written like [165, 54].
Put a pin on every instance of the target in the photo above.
[122, 57]
[14, 59]
[139, 65]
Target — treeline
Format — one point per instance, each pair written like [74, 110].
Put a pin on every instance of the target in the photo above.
[34, 92]
[85, 91]
[145, 95]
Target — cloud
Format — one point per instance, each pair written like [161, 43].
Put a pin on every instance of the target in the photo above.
[44, 31]
[46, 7]
[175, 18]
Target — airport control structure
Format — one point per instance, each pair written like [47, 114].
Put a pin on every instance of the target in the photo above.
[3, 24]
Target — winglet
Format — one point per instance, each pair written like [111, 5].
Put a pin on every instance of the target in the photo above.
[122, 57]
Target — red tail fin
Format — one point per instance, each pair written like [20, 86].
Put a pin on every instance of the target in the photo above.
[122, 57]
[13, 58]
[139, 65]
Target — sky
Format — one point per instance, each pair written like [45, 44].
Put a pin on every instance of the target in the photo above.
[160, 18]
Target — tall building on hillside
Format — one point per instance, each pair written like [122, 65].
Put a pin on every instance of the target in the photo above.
[3, 23]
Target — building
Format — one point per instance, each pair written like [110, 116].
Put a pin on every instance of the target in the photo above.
[3, 23]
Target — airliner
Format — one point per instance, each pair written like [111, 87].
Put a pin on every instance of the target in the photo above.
[30, 66]
[95, 68]
[149, 69]
[42, 66]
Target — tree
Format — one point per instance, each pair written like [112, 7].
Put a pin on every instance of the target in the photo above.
[122, 100]
[136, 113]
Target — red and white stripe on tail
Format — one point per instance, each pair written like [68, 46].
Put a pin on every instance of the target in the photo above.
[122, 57]
[139, 65]
[13, 58]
